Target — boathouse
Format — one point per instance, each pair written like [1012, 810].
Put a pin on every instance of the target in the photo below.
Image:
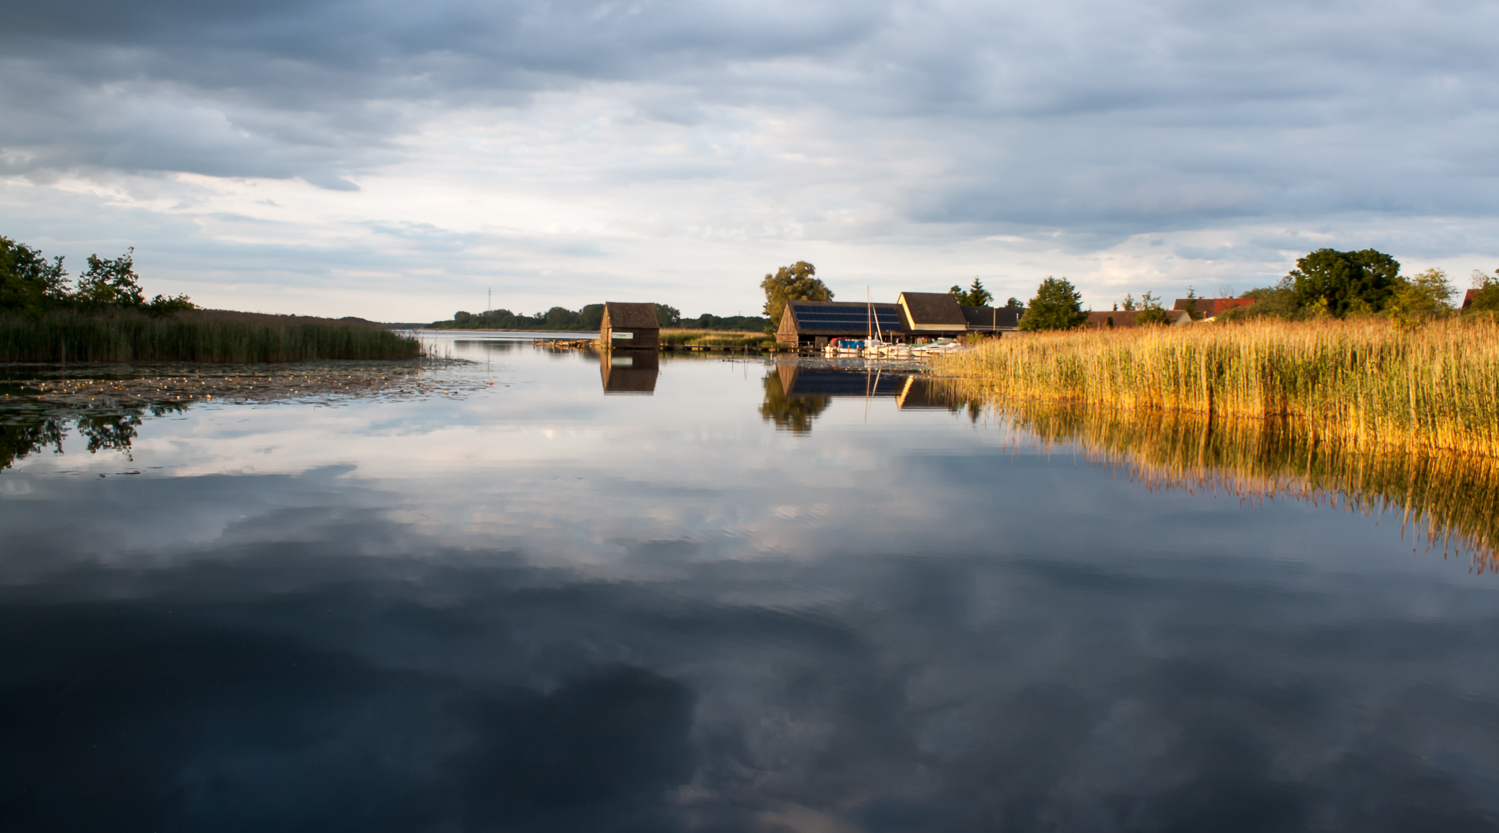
[629, 327]
[813, 323]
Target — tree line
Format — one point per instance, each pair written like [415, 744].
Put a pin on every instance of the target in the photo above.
[1326, 283]
[588, 319]
[32, 284]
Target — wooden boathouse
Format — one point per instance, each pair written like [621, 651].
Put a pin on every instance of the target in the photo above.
[812, 323]
[629, 327]
[915, 316]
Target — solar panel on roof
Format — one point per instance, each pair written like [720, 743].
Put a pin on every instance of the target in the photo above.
[842, 318]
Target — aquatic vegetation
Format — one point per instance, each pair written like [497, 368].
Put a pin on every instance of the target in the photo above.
[1358, 383]
[126, 335]
[710, 338]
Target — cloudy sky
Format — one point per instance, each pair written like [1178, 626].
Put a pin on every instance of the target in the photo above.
[397, 160]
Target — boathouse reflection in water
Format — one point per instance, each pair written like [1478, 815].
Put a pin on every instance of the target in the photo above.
[797, 393]
[631, 373]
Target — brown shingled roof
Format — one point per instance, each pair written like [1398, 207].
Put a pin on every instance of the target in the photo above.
[631, 316]
[933, 309]
[1127, 318]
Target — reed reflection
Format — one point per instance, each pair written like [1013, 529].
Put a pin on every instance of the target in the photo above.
[1448, 498]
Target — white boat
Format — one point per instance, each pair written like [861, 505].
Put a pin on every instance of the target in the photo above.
[939, 347]
[844, 347]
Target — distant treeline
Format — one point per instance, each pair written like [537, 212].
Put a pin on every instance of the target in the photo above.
[588, 319]
[105, 317]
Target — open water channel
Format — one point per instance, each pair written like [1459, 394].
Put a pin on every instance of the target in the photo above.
[550, 591]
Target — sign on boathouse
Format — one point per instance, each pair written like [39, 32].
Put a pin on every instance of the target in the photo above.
[629, 326]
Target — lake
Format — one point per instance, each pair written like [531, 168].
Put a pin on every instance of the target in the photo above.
[548, 590]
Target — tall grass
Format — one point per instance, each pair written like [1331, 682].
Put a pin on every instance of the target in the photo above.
[1445, 497]
[196, 336]
[1358, 383]
[712, 338]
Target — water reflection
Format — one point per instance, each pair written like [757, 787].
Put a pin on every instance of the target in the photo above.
[796, 392]
[790, 413]
[1451, 500]
[27, 432]
[530, 607]
[629, 372]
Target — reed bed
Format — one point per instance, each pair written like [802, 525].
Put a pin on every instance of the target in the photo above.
[195, 336]
[1360, 384]
[1446, 498]
[712, 338]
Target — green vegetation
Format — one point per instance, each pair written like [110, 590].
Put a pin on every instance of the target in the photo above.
[587, 319]
[1361, 382]
[1152, 312]
[1486, 298]
[26, 434]
[1344, 282]
[797, 282]
[788, 413]
[108, 319]
[1057, 306]
[31, 284]
[976, 296]
[131, 335]
[1333, 284]
[712, 338]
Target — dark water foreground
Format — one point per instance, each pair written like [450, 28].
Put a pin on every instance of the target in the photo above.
[628, 594]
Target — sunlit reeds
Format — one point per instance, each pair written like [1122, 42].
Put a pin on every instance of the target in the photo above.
[1357, 383]
[195, 336]
[712, 338]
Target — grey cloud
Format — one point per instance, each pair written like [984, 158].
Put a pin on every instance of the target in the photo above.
[1098, 118]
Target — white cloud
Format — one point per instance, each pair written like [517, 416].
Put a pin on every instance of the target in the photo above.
[397, 161]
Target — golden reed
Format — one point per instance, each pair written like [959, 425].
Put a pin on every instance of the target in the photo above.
[1362, 383]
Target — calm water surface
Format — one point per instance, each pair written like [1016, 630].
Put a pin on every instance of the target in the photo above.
[724, 596]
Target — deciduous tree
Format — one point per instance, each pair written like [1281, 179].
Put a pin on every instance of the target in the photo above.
[797, 282]
[1423, 296]
[1057, 306]
[1344, 282]
[28, 281]
[111, 283]
[1486, 299]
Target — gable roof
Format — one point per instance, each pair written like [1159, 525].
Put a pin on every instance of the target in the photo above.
[1214, 306]
[991, 318]
[631, 316]
[926, 310]
[1468, 298]
[1126, 318]
[842, 317]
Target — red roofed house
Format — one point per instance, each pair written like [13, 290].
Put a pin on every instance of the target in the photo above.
[1209, 307]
